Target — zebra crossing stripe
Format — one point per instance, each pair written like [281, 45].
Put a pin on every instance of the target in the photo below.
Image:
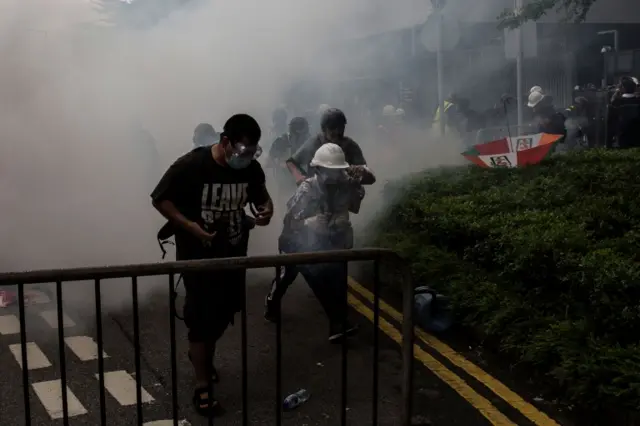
[84, 347]
[9, 324]
[51, 317]
[122, 386]
[36, 359]
[50, 395]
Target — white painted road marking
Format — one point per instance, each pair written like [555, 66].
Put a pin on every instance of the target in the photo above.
[122, 387]
[51, 317]
[36, 297]
[167, 423]
[9, 324]
[35, 357]
[50, 395]
[84, 347]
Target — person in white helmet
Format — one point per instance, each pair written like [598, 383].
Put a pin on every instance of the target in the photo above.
[317, 218]
[389, 111]
[535, 97]
[547, 118]
[535, 89]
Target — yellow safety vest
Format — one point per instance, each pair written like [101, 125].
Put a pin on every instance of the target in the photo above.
[447, 105]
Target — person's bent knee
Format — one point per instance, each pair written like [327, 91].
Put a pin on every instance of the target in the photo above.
[208, 330]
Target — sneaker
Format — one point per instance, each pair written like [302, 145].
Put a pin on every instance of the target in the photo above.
[336, 334]
[270, 310]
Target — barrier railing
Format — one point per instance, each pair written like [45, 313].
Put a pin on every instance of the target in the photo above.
[98, 274]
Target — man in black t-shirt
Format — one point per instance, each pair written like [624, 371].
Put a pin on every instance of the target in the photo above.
[204, 195]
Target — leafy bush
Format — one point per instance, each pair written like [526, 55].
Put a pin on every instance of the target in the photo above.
[542, 260]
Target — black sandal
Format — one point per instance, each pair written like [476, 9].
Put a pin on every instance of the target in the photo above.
[201, 403]
[215, 377]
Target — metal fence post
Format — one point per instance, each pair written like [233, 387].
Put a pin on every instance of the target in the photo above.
[407, 345]
[236, 263]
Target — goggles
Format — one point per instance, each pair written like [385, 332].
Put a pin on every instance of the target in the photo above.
[246, 151]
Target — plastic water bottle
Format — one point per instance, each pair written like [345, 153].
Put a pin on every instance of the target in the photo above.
[296, 399]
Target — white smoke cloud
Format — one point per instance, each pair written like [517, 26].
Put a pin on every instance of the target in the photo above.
[75, 94]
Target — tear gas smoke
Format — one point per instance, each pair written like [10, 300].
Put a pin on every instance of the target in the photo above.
[76, 94]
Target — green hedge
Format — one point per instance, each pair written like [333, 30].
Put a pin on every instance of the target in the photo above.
[542, 261]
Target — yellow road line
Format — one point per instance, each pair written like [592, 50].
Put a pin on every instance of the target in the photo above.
[480, 403]
[516, 401]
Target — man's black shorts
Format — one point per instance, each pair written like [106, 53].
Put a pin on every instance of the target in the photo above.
[212, 300]
[213, 297]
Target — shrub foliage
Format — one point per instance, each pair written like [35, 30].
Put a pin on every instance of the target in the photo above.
[542, 261]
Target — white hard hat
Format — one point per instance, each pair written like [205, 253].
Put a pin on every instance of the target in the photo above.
[323, 108]
[399, 111]
[534, 99]
[535, 89]
[329, 156]
[389, 110]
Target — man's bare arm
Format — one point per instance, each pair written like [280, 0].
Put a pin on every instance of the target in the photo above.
[264, 206]
[295, 171]
[171, 213]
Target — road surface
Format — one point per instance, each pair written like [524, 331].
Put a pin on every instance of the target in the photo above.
[309, 362]
[449, 389]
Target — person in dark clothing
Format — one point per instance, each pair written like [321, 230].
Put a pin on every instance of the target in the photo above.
[580, 123]
[546, 117]
[204, 135]
[317, 218]
[283, 148]
[453, 115]
[624, 114]
[203, 195]
[333, 125]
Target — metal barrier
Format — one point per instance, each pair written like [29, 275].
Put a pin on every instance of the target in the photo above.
[171, 268]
